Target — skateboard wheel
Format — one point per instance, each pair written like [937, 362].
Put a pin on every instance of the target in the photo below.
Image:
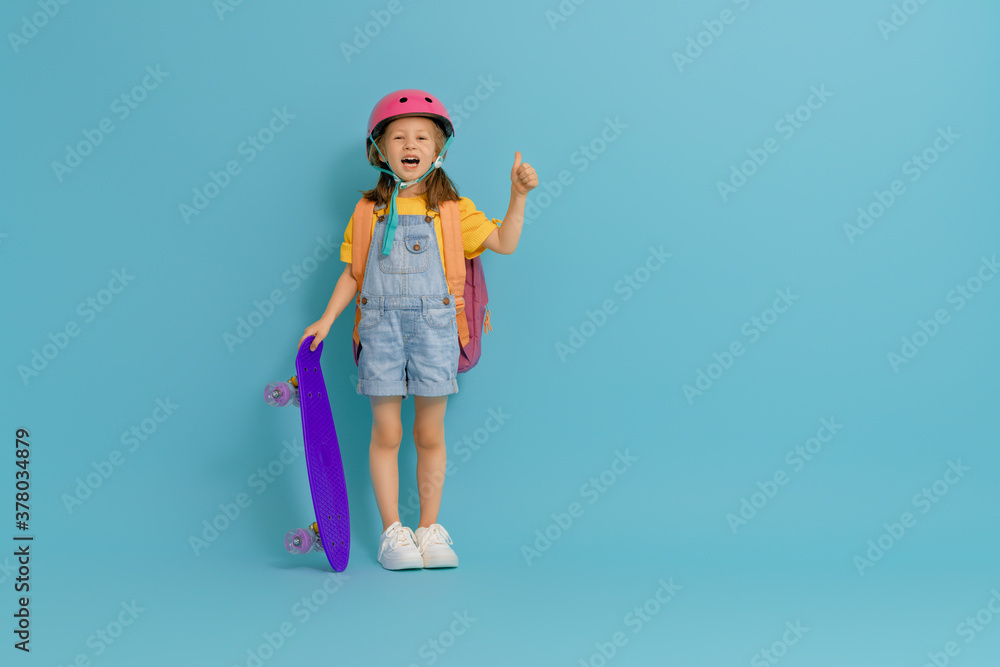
[279, 394]
[300, 541]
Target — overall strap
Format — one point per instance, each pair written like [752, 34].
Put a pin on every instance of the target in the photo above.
[454, 263]
[361, 240]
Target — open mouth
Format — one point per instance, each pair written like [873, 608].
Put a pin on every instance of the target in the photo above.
[410, 162]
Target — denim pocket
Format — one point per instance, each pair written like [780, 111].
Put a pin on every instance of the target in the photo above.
[417, 242]
[408, 255]
[439, 318]
[370, 316]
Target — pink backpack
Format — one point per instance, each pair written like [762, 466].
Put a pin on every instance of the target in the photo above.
[477, 315]
[465, 279]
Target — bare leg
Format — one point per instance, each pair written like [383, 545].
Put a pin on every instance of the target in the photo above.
[383, 456]
[428, 435]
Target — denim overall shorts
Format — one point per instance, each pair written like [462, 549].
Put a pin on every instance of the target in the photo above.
[408, 331]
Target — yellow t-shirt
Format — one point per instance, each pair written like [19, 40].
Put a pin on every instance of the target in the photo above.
[475, 225]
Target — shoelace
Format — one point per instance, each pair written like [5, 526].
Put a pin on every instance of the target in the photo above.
[435, 534]
[399, 536]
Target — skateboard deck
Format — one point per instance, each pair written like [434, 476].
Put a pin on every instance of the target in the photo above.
[323, 462]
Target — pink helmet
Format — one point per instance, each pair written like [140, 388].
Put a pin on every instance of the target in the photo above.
[408, 102]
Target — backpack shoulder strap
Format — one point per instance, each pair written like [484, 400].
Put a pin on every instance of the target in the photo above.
[361, 240]
[454, 263]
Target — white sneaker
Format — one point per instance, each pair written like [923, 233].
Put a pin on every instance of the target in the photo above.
[432, 542]
[396, 550]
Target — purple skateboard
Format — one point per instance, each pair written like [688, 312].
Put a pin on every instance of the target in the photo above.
[331, 533]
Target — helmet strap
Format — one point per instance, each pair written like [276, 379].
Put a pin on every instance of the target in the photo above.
[390, 227]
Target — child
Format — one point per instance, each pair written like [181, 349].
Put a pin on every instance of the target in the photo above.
[408, 330]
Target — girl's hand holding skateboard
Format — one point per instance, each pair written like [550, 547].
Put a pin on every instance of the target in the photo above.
[319, 329]
[342, 295]
[522, 176]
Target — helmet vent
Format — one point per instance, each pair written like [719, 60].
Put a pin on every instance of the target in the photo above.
[429, 100]
[402, 99]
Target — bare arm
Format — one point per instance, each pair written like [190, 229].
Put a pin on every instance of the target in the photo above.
[504, 239]
[343, 294]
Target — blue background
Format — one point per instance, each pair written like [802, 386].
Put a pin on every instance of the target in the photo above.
[554, 87]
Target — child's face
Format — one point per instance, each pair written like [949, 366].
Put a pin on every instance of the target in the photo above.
[410, 146]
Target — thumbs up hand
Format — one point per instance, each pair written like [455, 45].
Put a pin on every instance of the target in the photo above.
[522, 176]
